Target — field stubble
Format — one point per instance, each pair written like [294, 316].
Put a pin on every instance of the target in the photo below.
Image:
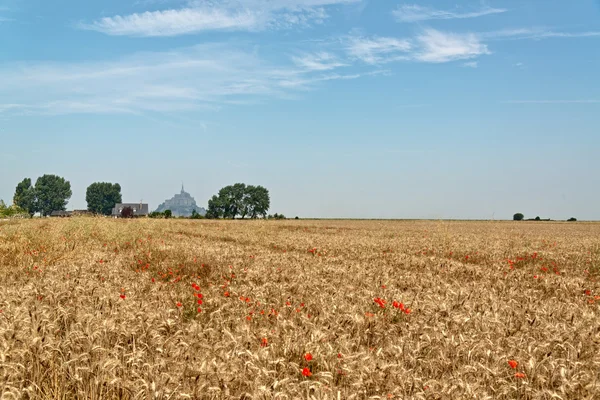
[100, 308]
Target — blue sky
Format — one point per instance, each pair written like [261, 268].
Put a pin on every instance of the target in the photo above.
[342, 108]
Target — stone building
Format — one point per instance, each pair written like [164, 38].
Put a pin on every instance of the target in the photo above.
[181, 205]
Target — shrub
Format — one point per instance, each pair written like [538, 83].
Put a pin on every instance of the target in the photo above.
[518, 217]
[572, 219]
[168, 214]
[195, 215]
[127, 212]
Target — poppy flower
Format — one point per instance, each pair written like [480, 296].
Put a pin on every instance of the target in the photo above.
[308, 357]
[122, 296]
[199, 310]
[179, 304]
[513, 364]
[264, 342]
[199, 301]
[306, 372]
[520, 375]
[226, 294]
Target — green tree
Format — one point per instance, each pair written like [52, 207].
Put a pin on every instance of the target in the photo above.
[25, 197]
[215, 208]
[231, 200]
[52, 194]
[168, 214]
[256, 201]
[518, 217]
[239, 199]
[101, 197]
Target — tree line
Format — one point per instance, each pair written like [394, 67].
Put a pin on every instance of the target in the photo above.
[52, 193]
[521, 217]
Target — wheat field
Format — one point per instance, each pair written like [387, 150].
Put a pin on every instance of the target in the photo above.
[95, 308]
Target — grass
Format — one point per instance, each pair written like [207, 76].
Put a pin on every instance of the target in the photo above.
[103, 309]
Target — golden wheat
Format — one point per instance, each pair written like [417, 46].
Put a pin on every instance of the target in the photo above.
[102, 309]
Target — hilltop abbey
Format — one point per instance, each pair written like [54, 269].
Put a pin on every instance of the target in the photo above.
[181, 205]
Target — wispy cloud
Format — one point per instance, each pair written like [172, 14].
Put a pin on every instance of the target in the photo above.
[416, 13]
[375, 50]
[431, 46]
[176, 22]
[471, 64]
[204, 77]
[439, 47]
[208, 15]
[321, 61]
[552, 102]
[536, 34]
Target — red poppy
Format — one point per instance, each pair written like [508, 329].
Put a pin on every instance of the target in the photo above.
[380, 302]
[226, 294]
[264, 342]
[513, 364]
[199, 301]
[179, 304]
[199, 309]
[306, 372]
[122, 296]
[308, 357]
[520, 375]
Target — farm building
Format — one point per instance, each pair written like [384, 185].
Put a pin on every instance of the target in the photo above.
[139, 209]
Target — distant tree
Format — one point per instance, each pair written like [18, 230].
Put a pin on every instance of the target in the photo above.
[572, 219]
[231, 200]
[11, 211]
[52, 194]
[127, 212]
[256, 202]
[168, 214]
[239, 200]
[101, 197]
[25, 197]
[538, 219]
[518, 217]
[196, 215]
[215, 208]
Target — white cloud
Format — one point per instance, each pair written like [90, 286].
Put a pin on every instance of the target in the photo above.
[207, 15]
[416, 13]
[321, 61]
[175, 22]
[536, 34]
[376, 50]
[439, 47]
[430, 46]
[471, 64]
[204, 77]
[552, 102]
